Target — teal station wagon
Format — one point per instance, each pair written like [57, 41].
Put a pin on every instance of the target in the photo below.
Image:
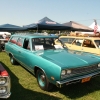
[51, 64]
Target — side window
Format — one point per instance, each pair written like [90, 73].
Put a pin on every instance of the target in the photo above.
[70, 40]
[20, 42]
[88, 43]
[97, 42]
[14, 40]
[78, 42]
[26, 44]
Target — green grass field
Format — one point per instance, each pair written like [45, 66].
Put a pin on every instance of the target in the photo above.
[24, 86]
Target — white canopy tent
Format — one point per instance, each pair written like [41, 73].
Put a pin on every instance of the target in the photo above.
[7, 33]
[92, 26]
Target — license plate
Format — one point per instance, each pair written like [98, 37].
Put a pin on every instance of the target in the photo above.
[86, 79]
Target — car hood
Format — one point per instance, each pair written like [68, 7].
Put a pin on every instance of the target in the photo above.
[69, 58]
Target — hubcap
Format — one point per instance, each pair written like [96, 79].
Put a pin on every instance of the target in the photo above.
[12, 60]
[41, 79]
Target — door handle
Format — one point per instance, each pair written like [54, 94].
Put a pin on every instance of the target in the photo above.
[19, 51]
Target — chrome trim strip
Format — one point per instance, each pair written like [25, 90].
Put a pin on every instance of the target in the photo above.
[5, 96]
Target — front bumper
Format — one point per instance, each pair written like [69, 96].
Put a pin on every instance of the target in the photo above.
[76, 79]
[5, 96]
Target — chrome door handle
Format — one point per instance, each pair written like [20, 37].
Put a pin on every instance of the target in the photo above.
[19, 51]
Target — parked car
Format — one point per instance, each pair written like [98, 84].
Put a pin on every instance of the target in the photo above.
[2, 42]
[85, 44]
[51, 64]
[5, 83]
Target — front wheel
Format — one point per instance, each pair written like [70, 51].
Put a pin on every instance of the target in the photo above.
[43, 81]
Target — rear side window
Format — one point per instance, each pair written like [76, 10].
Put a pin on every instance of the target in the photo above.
[20, 42]
[14, 40]
[88, 43]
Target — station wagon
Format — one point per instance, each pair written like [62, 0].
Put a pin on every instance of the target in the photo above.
[85, 44]
[52, 64]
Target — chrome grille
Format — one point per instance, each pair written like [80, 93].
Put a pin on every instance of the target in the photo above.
[84, 69]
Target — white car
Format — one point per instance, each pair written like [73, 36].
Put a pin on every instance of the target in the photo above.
[2, 42]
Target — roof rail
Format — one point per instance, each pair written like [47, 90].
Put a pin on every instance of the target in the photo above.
[38, 34]
[31, 33]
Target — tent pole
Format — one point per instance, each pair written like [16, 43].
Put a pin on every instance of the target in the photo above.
[37, 28]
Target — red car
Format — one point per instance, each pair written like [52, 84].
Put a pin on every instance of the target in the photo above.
[5, 83]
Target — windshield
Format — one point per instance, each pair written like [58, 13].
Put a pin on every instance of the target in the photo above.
[97, 42]
[44, 43]
[67, 40]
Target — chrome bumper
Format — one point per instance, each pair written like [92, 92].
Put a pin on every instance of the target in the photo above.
[8, 86]
[75, 79]
[5, 96]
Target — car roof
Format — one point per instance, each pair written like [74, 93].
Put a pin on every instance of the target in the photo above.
[38, 35]
[92, 38]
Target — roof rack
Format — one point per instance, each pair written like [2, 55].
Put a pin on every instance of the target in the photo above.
[31, 33]
[36, 34]
[84, 35]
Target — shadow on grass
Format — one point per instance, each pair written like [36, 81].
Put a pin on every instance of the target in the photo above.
[78, 90]
[73, 91]
[20, 93]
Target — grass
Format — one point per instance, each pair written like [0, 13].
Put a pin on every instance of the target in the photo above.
[24, 86]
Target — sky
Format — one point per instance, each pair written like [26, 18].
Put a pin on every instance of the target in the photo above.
[25, 12]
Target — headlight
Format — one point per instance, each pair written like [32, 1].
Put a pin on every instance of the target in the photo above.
[68, 71]
[63, 72]
[99, 65]
[3, 89]
[2, 80]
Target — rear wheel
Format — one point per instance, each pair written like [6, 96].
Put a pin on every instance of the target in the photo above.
[0, 47]
[43, 81]
[12, 60]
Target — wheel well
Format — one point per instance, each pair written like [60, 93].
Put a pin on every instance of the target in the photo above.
[10, 54]
[36, 68]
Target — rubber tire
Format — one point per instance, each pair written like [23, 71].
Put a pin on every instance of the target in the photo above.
[46, 86]
[12, 60]
[0, 47]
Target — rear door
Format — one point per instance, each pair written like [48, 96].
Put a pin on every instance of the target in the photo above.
[26, 56]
